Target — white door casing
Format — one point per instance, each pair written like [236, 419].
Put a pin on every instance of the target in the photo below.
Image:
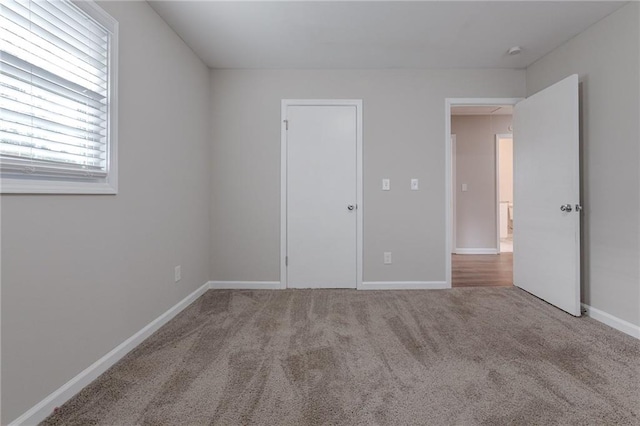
[546, 177]
[452, 164]
[321, 194]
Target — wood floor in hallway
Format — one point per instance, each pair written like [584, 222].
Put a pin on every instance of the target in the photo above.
[482, 270]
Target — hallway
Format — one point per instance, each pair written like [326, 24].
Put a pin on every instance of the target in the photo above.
[482, 270]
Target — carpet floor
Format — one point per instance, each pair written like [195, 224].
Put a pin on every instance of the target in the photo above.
[467, 356]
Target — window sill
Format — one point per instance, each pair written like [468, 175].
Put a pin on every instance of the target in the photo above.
[20, 186]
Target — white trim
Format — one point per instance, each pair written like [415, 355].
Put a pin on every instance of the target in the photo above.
[43, 186]
[283, 180]
[403, 285]
[612, 321]
[496, 146]
[448, 102]
[283, 194]
[359, 196]
[58, 397]
[245, 285]
[454, 190]
[476, 251]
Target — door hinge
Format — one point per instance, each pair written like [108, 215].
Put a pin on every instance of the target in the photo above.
[286, 124]
[286, 261]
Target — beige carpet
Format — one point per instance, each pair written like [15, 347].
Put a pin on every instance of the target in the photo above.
[488, 356]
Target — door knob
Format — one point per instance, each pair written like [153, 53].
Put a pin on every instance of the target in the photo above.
[566, 208]
[351, 207]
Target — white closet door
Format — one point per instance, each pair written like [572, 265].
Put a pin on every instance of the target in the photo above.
[321, 196]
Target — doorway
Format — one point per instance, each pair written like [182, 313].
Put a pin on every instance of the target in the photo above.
[475, 254]
[482, 190]
[321, 187]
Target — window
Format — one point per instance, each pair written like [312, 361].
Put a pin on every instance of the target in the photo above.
[57, 97]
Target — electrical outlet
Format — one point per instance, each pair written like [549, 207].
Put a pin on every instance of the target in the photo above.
[386, 184]
[177, 273]
[387, 258]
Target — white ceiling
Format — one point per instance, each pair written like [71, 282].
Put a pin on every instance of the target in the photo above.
[377, 34]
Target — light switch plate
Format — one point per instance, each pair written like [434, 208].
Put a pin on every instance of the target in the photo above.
[465, 188]
[386, 184]
[414, 184]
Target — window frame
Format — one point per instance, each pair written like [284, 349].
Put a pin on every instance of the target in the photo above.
[106, 185]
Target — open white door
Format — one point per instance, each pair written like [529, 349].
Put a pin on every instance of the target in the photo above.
[546, 228]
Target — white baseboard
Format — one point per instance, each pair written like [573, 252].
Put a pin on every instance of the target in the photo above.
[245, 285]
[476, 251]
[403, 285]
[58, 397]
[612, 321]
[371, 285]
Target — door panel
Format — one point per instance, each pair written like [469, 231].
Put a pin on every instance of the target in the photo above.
[321, 184]
[546, 259]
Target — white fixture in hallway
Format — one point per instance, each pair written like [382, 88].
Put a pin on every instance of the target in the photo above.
[506, 244]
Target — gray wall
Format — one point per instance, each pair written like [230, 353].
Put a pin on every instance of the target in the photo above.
[404, 138]
[476, 166]
[506, 170]
[80, 274]
[606, 57]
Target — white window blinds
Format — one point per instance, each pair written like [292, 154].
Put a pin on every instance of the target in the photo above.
[54, 91]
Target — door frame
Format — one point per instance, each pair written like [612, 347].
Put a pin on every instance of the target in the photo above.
[454, 145]
[285, 103]
[448, 103]
[499, 136]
